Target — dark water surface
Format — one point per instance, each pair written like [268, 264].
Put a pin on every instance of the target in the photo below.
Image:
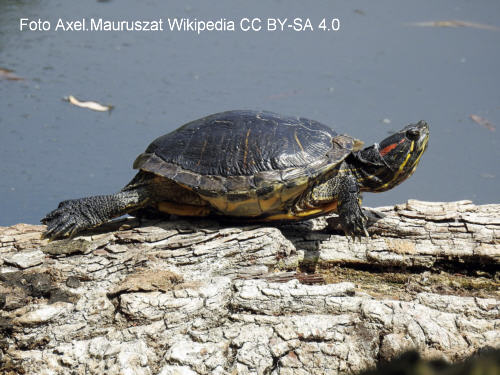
[374, 75]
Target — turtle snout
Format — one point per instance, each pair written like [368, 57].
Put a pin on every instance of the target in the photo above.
[423, 124]
[418, 131]
[424, 130]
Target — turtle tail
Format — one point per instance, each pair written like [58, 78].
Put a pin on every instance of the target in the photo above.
[75, 215]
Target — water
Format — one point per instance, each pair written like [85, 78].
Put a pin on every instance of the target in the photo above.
[376, 67]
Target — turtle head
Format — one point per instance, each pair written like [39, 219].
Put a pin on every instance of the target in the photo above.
[393, 160]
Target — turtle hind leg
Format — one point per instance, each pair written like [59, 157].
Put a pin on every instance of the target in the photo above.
[76, 215]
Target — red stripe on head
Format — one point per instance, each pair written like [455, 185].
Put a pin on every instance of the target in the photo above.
[389, 148]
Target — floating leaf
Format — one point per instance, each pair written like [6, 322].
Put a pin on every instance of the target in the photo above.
[90, 105]
[456, 23]
[9, 75]
[483, 122]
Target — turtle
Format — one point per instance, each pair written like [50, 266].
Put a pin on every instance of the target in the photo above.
[254, 166]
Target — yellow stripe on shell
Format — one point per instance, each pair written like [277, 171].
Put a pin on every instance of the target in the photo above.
[297, 140]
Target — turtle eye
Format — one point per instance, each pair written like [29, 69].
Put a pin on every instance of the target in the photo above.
[412, 134]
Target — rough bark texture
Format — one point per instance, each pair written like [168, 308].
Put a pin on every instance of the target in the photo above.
[201, 297]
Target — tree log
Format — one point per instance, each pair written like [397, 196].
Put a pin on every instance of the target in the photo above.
[206, 297]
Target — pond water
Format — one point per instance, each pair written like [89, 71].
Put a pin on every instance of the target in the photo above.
[377, 73]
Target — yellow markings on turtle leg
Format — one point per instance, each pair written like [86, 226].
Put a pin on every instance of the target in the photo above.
[400, 169]
[183, 209]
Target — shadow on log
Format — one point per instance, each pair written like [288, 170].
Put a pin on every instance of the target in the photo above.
[201, 297]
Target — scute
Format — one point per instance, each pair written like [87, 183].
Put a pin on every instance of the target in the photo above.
[242, 151]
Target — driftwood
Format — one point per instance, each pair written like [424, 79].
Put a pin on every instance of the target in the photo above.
[202, 297]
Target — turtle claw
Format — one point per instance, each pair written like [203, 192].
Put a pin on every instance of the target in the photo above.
[353, 221]
[65, 221]
[58, 228]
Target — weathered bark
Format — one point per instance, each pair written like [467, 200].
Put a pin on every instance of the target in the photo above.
[201, 297]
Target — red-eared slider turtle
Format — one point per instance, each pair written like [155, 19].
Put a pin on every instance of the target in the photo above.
[257, 166]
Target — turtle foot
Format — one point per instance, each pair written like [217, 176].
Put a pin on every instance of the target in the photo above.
[353, 220]
[65, 221]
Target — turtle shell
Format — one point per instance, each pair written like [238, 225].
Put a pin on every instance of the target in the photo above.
[247, 162]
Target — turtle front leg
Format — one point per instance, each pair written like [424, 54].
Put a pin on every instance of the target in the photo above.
[352, 218]
[344, 189]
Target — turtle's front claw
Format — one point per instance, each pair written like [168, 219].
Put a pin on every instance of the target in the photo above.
[58, 224]
[66, 220]
[353, 221]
